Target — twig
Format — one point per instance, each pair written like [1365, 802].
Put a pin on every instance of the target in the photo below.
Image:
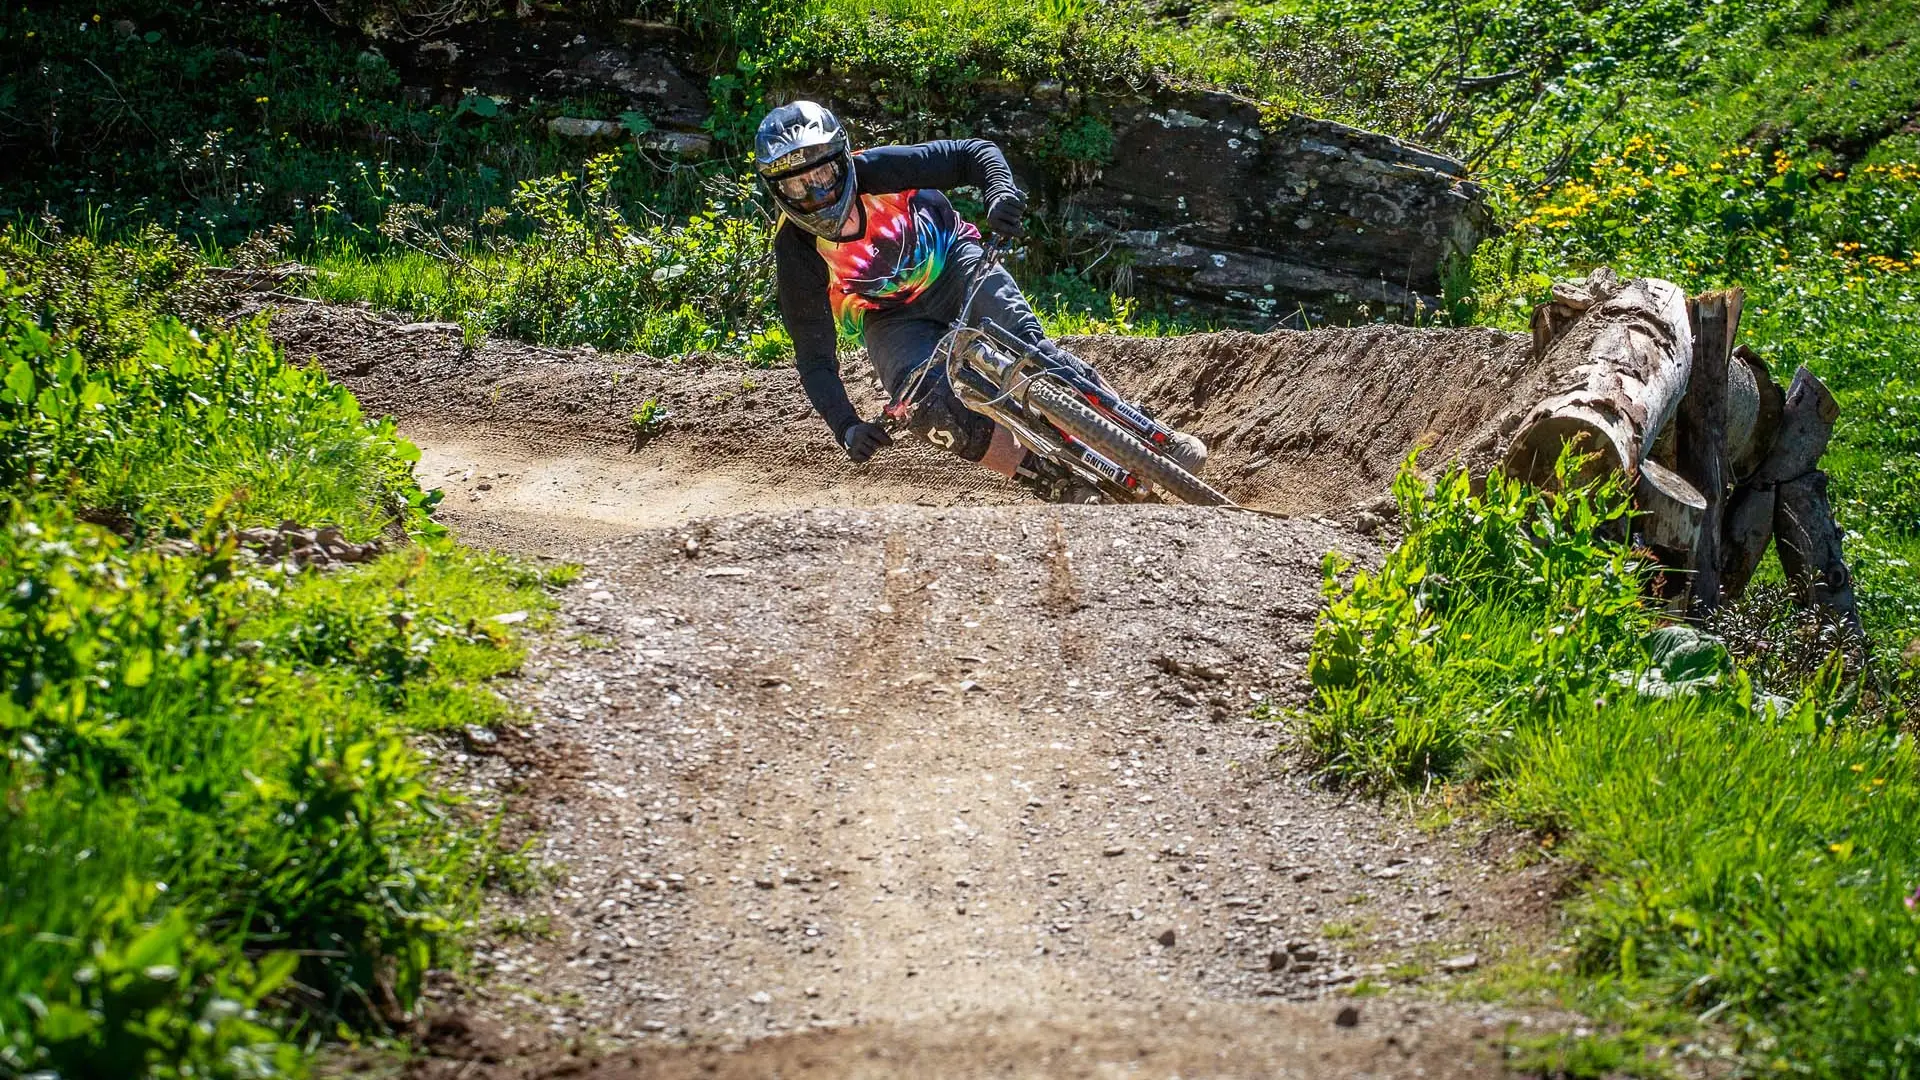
[124, 103]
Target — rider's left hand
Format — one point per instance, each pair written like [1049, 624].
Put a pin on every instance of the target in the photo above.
[864, 440]
[1003, 216]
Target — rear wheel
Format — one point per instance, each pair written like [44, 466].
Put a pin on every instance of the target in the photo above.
[1074, 416]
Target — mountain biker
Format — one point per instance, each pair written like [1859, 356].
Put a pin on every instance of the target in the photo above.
[868, 244]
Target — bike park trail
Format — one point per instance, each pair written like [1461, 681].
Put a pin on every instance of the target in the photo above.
[894, 772]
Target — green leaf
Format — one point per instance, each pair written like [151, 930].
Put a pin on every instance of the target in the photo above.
[1681, 660]
[636, 123]
[160, 944]
[65, 1023]
[20, 381]
[271, 973]
[479, 105]
[139, 668]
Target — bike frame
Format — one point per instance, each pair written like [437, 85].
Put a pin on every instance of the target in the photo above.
[989, 368]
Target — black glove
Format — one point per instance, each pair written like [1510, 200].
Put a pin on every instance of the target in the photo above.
[1003, 216]
[863, 440]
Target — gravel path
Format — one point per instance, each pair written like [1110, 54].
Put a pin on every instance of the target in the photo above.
[955, 792]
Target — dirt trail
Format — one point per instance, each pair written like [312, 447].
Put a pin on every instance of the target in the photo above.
[866, 788]
[1312, 422]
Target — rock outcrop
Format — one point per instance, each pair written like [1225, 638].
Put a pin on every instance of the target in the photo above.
[1216, 208]
[1189, 198]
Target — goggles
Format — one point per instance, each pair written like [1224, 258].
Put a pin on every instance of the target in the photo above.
[812, 188]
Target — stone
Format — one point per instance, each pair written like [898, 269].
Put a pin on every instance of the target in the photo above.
[1348, 1016]
[575, 127]
[1455, 965]
[1167, 937]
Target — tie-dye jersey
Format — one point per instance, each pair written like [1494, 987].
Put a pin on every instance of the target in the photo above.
[908, 240]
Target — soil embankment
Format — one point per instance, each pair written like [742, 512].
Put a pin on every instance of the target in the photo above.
[1305, 423]
[892, 771]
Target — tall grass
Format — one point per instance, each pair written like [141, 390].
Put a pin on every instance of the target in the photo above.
[1751, 858]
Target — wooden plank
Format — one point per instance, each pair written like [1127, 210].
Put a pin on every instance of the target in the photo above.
[1701, 436]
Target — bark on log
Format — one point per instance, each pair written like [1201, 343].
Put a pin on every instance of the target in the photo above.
[1806, 425]
[1626, 360]
[1809, 544]
[1701, 434]
[1749, 527]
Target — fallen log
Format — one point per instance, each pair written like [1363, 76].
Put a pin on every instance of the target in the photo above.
[1809, 545]
[1700, 432]
[1626, 355]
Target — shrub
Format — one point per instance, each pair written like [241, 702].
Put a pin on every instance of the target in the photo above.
[1495, 612]
[569, 268]
[104, 395]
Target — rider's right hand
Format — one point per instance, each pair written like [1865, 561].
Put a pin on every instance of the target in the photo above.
[863, 440]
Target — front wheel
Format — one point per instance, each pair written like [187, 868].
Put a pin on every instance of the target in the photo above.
[1074, 416]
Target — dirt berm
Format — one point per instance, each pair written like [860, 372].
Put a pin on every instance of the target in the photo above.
[1299, 422]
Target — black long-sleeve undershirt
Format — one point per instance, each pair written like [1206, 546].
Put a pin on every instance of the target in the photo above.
[800, 274]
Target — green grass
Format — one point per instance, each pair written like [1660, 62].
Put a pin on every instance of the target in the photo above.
[1751, 856]
[145, 421]
[221, 843]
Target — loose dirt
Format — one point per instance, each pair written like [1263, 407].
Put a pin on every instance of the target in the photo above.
[836, 783]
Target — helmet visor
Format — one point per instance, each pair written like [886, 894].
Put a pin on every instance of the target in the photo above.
[813, 188]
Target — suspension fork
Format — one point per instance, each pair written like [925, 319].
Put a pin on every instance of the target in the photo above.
[1097, 394]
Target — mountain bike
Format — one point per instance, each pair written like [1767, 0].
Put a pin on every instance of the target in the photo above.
[1070, 418]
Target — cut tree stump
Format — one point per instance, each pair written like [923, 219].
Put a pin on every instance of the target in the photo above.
[1700, 432]
[1668, 510]
[1626, 350]
[1809, 545]
[1754, 403]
